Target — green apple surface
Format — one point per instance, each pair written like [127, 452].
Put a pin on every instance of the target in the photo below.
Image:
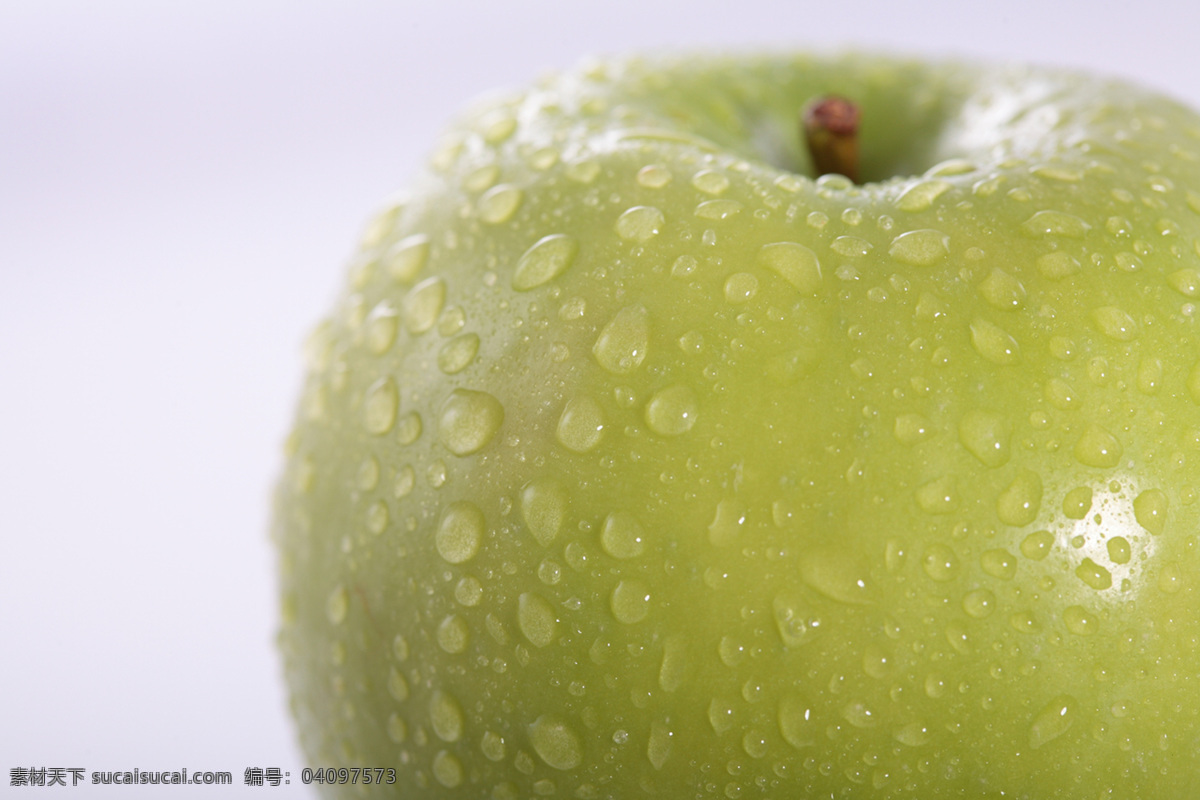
[635, 460]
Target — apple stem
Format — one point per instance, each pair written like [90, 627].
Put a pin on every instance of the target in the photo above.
[831, 131]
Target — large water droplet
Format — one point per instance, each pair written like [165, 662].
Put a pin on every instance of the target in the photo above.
[460, 532]
[630, 602]
[458, 353]
[453, 635]
[407, 258]
[794, 618]
[994, 343]
[622, 536]
[658, 749]
[922, 248]
[940, 563]
[674, 663]
[837, 573]
[548, 258]
[920, 196]
[499, 204]
[740, 287]
[910, 428]
[544, 508]
[979, 603]
[581, 425]
[939, 496]
[1094, 575]
[671, 411]
[914, 734]
[468, 421]
[397, 685]
[1057, 265]
[727, 523]
[710, 182]
[1098, 448]
[797, 723]
[999, 563]
[555, 742]
[382, 325]
[986, 436]
[446, 716]
[1077, 502]
[423, 303]
[621, 346]
[1055, 719]
[1019, 504]
[1080, 621]
[718, 209]
[536, 619]
[1119, 551]
[1150, 510]
[447, 769]
[397, 728]
[380, 405]
[795, 263]
[1115, 323]
[640, 223]
[1002, 291]
[1055, 223]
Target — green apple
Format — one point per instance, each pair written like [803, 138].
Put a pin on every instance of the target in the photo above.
[637, 460]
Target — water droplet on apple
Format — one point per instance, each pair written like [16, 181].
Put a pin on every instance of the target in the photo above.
[423, 303]
[1094, 575]
[1002, 291]
[671, 411]
[859, 714]
[658, 749]
[999, 563]
[406, 478]
[939, 496]
[1036, 546]
[994, 343]
[837, 573]
[482, 178]
[445, 716]
[1186, 282]
[1057, 265]
[555, 742]
[940, 563]
[727, 523]
[493, 747]
[674, 663]
[460, 532]
[718, 209]
[1098, 448]
[795, 263]
[979, 603]
[581, 425]
[544, 507]
[630, 601]
[408, 428]
[453, 634]
[382, 325]
[910, 429]
[1150, 510]
[400, 648]
[1055, 719]
[797, 722]
[640, 223]
[336, 605]
[922, 248]
[377, 517]
[710, 182]
[1019, 504]
[740, 287]
[622, 536]
[380, 405]
[458, 353]
[914, 734]
[794, 619]
[367, 477]
[447, 769]
[920, 196]
[499, 204]
[548, 258]
[754, 743]
[986, 436]
[407, 258]
[1080, 621]
[653, 176]
[468, 421]
[468, 591]
[1115, 323]
[1077, 502]
[621, 346]
[1055, 223]
[536, 619]
[851, 246]
[397, 729]
[397, 685]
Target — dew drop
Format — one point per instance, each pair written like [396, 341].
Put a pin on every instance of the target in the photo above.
[718, 209]
[939, 496]
[940, 563]
[468, 591]
[555, 742]
[979, 603]
[1055, 719]
[458, 353]
[922, 248]
[1098, 448]
[400, 648]
[407, 258]
[986, 436]
[1055, 223]
[621, 346]
[548, 258]
[653, 176]
[671, 411]
[1118, 549]
[397, 685]
[1057, 265]
[1115, 323]
[1094, 575]
[377, 517]
[797, 723]
[1077, 502]
[674, 663]
[1149, 375]
[446, 716]
[1019, 504]
[710, 182]
[423, 303]
[581, 425]
[1002, 291]
[460, 532]
[406, 478]
[740, 287]
[859, 715]
[1079, 621]
[499, 204]
[640, 223]
[727, 523]
[836, 573]
[622, 536]
[658, 749]
[795, 263]
[381, 327]
[920, 196]
[468, 421]
[910, 429]
[447, 769]
[397, 729]
[536, 619]
[1150, 510]
[544, 504]
[493, 747]
[994, 343]
[755, 744]
[1186, 282]
[851, 246]
[630, 602]
[453, 635]
[336, 605]
[380, 404]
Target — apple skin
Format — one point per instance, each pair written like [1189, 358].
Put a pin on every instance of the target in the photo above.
[633, 461]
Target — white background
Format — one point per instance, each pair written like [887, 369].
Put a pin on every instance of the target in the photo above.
[180, 185]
